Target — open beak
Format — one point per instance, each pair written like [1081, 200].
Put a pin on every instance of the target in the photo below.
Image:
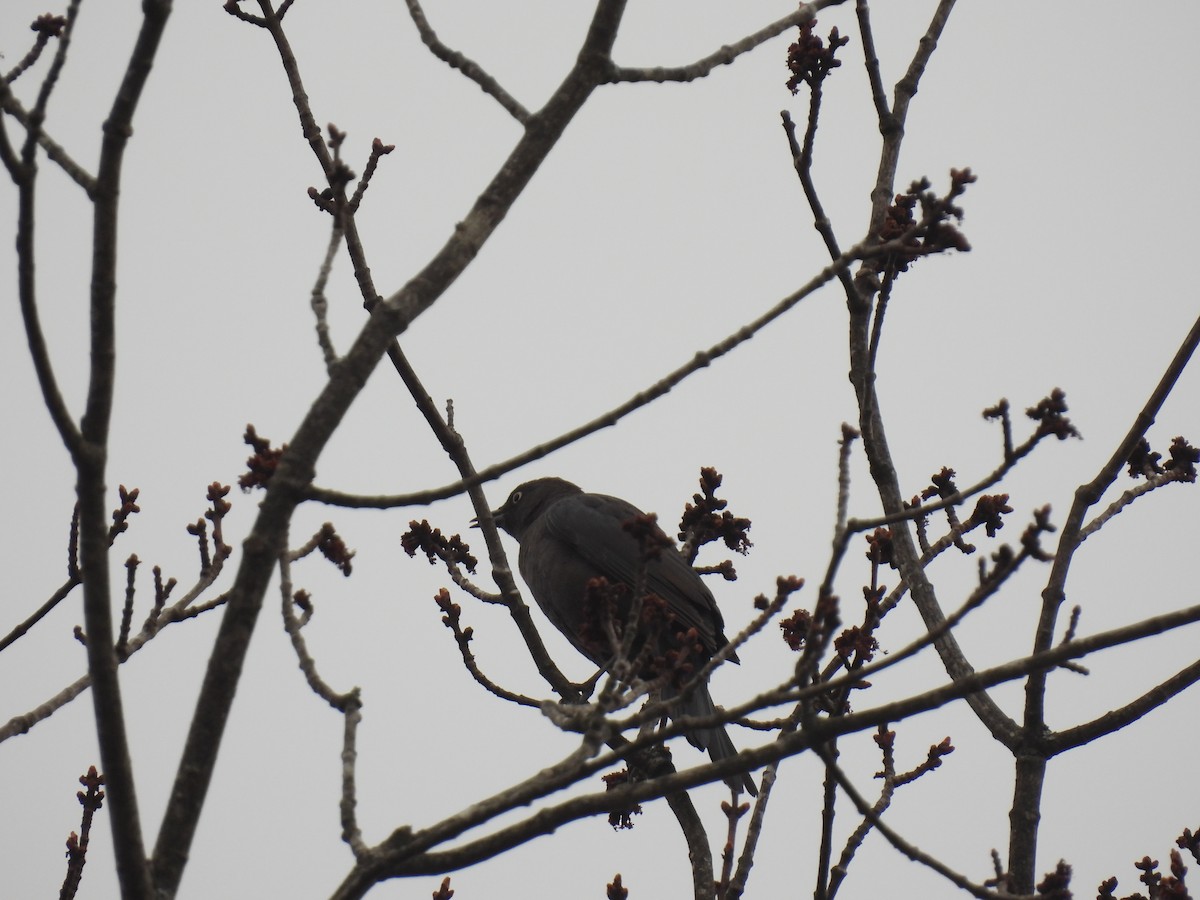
[497, 517]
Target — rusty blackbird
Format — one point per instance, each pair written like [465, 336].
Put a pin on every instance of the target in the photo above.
[569, 539]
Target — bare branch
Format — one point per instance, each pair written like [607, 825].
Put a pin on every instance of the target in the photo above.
[292, 624]
[737, 885]
[701, 360]
[42, 611]
[351, 833]
[296, 467]
[1126, 498]
[320, 305]
[90, 454]
[863, 377]
[891, 125]
[77, 844]
[462, 636]
[1031, 768]
[178, 612]
[464, 64]
[838, 873]
[407, 853]
[54, 151]
[1116, 719]
[23, 723]
[871, 60]
[726, 54]
[915, 853]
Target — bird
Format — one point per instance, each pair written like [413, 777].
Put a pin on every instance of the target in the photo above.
[568, 540]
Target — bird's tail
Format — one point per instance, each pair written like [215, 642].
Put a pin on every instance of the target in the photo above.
[713, 739]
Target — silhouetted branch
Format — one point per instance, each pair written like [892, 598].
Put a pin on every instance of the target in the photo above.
[40, 613]
[1115, 720]
[701, 360]
[54, 151]
[915, 853]
[464, 64]
[295, 470]
[1031, 770]
[409, 853]
[462, 636]
[727, 54]
[871, 61]
[77, 844]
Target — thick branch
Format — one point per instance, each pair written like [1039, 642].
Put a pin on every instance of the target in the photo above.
[91, 458]
[456, 449]
[883, 471]
[1117, 719]
[296, 467]
[1032, 758]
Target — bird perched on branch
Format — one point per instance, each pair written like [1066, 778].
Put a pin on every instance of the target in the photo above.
[584, 556]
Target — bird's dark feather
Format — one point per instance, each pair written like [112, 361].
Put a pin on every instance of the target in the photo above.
[591, 525]
[570, 539]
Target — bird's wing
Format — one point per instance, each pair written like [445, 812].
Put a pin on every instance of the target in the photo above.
[591, 524]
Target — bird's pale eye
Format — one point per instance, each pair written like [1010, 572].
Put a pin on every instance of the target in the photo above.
[515, 498]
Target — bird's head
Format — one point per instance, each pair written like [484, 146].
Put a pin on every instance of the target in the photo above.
[528, 501]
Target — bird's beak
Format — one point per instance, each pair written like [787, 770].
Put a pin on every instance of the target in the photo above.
[497, 517]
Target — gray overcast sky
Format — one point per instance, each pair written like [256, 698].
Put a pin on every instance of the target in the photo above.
[667, 217]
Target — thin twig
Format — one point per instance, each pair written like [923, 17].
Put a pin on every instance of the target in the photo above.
[351, 833]
[737, 885]
[837, 874]
[915, 853]
[409, 854]
[25, 176]
[726, 54]
[871, 61]
[54, 151]
[802, 157]
[42, 611]
[462, 637]
[21, 724]
[464, 64]
[699, 361]
[1126, 498]
[320, 305]
[829, 753]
